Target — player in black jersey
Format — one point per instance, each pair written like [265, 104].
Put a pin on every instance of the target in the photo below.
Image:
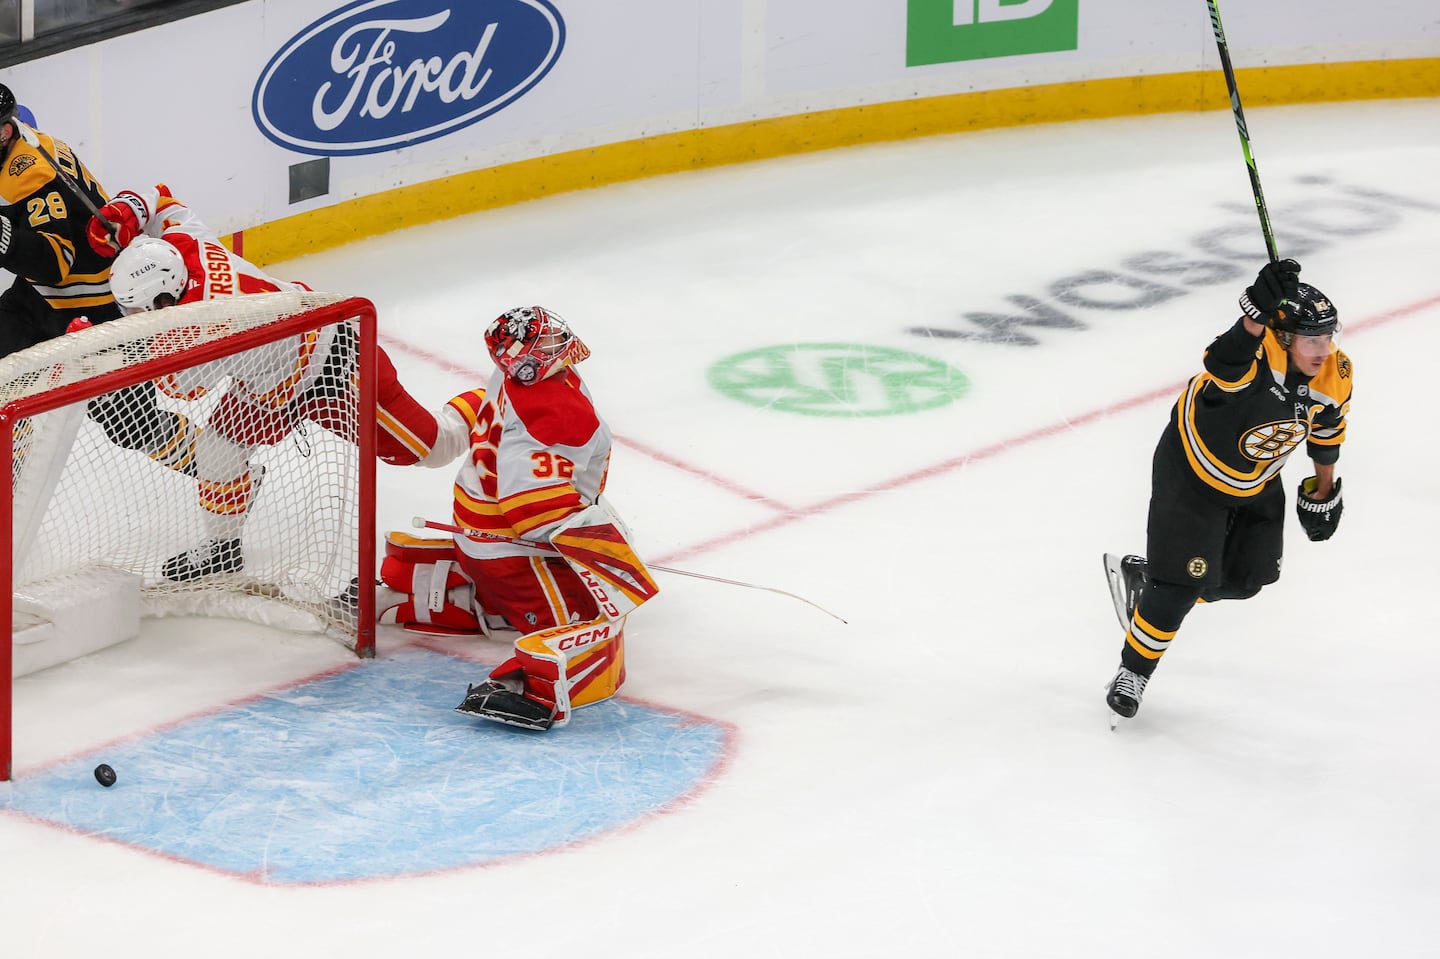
[1271, 382]
[61, 283]
[58, 278]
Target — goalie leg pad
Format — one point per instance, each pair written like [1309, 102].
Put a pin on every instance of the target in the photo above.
[567, 667]
[430, 593]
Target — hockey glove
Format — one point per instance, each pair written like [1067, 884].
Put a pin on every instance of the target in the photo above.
[126, 214]
[1318, 516]
[1277, 281]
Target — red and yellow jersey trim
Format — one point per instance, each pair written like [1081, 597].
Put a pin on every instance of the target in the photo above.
[468, 405]
[534, 508]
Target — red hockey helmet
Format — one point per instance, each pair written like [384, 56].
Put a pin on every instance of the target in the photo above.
[529, 343]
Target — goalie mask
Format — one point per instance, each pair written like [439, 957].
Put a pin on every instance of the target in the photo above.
[530, 343]
[144, 271]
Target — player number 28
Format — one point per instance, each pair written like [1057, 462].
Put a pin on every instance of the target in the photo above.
[44, 209]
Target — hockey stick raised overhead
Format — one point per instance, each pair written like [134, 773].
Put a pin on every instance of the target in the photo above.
[419, 522]
[1243, 130]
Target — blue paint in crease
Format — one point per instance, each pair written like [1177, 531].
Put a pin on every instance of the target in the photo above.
[370, 773]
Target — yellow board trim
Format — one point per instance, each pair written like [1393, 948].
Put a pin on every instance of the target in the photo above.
[500, 186]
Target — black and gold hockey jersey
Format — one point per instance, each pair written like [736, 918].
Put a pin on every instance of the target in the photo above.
[1239, 420]
[46, 221]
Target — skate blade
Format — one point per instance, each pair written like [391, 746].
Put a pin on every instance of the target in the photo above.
[499, 704]
[506, 718]
[1117, 587]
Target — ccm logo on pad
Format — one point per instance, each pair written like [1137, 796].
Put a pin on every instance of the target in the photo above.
[382, 74]
[588, 638]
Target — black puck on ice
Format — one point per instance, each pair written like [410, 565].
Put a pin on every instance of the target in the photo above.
[104, 775]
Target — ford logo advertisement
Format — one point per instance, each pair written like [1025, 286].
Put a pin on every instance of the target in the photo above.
[381, 74]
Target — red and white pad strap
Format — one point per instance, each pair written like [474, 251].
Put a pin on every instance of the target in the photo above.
[431, 593]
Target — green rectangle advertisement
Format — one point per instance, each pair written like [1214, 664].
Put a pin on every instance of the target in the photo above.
[946, 31]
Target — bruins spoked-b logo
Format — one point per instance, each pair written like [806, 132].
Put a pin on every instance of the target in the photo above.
[1273, 440]
[1197, 567]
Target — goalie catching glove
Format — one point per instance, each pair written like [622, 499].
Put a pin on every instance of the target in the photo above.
[1318, 516]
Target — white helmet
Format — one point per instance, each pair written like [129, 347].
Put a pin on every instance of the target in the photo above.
[144, 270]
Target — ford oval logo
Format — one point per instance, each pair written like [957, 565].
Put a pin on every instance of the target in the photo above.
[381, 74]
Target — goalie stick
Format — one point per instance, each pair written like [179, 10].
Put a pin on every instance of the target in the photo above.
[1243, 130]
[421, 523]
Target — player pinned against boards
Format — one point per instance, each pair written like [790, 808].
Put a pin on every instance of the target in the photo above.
[538, 549]
[170, 257]
[1273, 382]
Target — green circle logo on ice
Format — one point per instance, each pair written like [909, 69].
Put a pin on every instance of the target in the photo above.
[838, 379]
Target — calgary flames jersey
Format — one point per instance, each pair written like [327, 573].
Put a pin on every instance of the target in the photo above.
[1240, 419]
[288, 367]
[537, 455]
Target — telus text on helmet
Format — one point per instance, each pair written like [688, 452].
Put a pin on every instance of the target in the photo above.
[377, 75]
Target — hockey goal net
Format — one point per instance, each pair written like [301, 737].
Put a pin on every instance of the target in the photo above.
[213, 459]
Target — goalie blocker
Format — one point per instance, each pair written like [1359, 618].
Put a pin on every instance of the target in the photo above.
[432, 587]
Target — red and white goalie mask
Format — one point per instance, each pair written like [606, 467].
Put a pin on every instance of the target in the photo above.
[529, 343]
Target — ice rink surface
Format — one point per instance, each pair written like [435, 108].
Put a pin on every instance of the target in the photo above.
[917, 384]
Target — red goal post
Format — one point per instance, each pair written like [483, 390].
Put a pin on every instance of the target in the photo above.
[95, 510]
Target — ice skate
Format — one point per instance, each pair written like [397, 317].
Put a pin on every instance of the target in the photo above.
[1127, 576]
[210, 558]
[501, 704]
[1124, 695]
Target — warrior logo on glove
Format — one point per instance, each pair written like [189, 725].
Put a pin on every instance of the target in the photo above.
[1319, 517]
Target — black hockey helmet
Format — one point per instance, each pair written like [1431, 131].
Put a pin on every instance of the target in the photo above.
[1308, 313]
[8, 106]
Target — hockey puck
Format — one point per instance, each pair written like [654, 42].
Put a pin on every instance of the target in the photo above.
[104, 775]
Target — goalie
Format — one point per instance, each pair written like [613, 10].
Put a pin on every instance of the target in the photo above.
[539, 549]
